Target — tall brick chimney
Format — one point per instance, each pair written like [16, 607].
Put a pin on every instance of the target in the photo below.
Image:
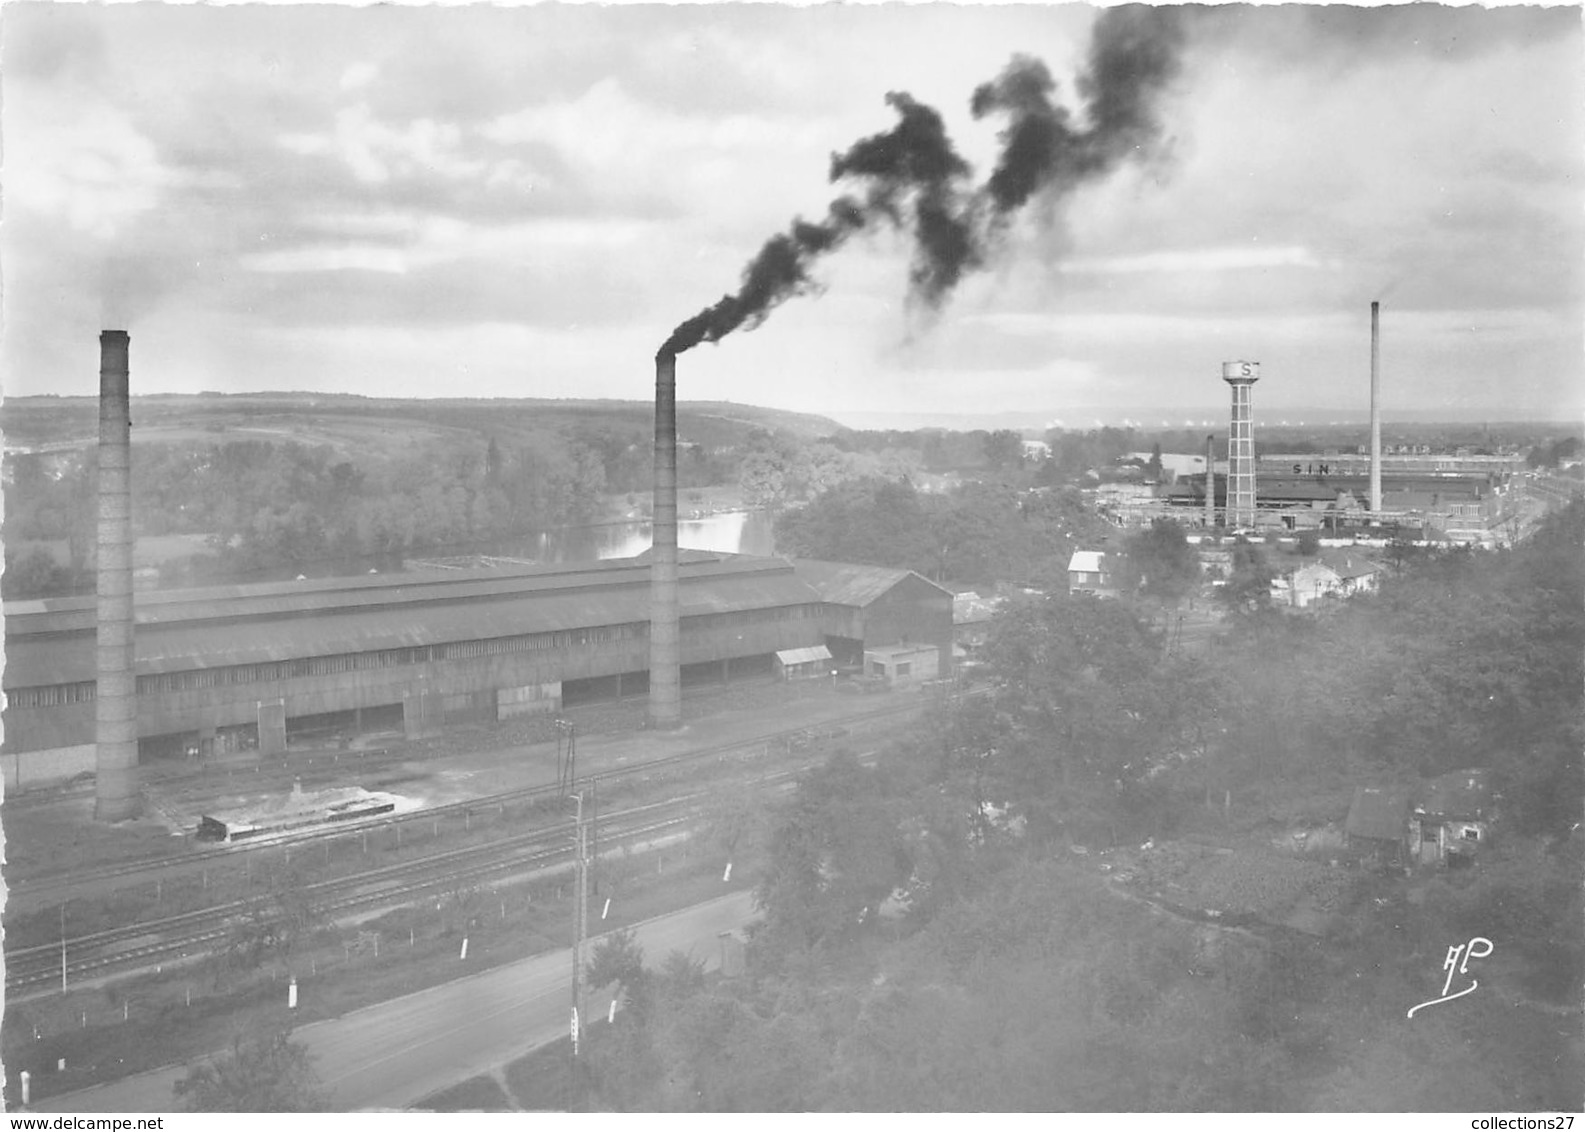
[1375, 411]
[1210, 481]
[665, 652]
[116, 796]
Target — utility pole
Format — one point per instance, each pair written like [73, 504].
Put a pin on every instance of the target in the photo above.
[566, 754]
[63, 947]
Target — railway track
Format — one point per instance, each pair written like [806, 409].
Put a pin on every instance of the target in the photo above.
[39, 887]
[191, 934]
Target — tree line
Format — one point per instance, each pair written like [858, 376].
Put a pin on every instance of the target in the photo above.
[977, 532]
[265, 506]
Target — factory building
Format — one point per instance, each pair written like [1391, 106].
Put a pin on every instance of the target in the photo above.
[870, 607]
[1310, 492]
[238, 667]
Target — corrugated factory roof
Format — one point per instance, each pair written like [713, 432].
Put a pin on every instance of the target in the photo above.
[318, 597]
[845, 583]
[532, 605]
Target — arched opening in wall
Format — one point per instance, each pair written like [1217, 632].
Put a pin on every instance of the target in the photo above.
[705, 672]
[598, 689]
[341, 728]
[324, 729]
[847, 653]
[381, 717]
[232, 740]
[174, 747]
[761, 666]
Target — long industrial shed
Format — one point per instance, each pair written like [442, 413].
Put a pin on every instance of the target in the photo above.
[238, 667]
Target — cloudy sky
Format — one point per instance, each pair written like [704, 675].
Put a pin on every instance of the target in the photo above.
[497, 201]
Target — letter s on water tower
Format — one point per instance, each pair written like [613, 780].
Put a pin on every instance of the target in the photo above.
[1240, 369]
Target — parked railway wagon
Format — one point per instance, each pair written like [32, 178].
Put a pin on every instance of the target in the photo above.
[300, 812]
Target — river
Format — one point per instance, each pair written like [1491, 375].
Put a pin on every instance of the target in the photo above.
[731, 532]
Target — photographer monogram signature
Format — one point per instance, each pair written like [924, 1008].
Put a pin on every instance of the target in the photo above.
[1477, 948]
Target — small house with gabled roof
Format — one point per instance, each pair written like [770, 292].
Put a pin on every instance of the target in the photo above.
[1451, 820]
[1089, 572]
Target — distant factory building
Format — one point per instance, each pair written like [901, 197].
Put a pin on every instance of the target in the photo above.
[870, 607]
[1300, 493]
[1176, 465]
[254, 666]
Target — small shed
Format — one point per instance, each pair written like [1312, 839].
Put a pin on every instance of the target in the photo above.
[803, 664]
[1089, 572]
[902, 665]
[1452, 820]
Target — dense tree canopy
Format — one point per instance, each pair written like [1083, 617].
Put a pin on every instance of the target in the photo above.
[977, 533]
[1159, 563]
[929, 942]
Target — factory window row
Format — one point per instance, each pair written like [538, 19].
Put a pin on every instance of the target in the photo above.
[533, 642]
[51, 695]
[229, 675]
[199, 679]
[740, 618]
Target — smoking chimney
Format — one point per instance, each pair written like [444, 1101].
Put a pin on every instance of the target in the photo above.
[665, 654]
[1241, 444]
[1375, 410]
[1210, 482]
[116, 795]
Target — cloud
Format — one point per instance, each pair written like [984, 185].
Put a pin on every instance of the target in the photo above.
[84, 165]
[291, 181]
[1201, 259]
[358, 75]
[52, 42]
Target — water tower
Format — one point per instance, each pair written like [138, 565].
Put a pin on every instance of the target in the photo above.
[1241, 445]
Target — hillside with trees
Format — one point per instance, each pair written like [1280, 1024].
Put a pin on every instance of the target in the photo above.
[977, 532]
[984, 918]
[270, 484]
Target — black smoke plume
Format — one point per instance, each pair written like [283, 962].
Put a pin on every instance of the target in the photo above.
[911, 177]
[1133, 56]
[908, 176]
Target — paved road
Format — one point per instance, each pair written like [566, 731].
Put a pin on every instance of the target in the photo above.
[396, 1053]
